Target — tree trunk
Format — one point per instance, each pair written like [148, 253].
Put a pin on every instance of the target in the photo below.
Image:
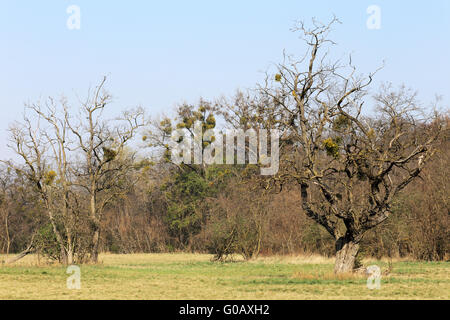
[63, 256]
[94, 225]
[23, 254]
[59, 238]
[19, 256]
[8, 238]
[95, 240]
[346, 251]
[70, 256]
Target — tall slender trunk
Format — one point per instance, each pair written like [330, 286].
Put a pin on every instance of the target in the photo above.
[70, 253]
[346, 251]
[8, 238]
[95, 229]
[95, 241]
[59, 239]
[63, 256]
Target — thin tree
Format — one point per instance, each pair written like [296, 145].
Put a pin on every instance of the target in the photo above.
[31, 141]
[100, 145]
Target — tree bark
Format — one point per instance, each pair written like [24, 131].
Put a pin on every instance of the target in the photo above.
[95, 224]
[346, 251]
[70, 255]
[95, 240]
[8, 238]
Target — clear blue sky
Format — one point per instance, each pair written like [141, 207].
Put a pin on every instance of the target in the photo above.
[160, 53]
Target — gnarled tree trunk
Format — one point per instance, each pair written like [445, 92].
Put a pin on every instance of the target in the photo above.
[346, 251]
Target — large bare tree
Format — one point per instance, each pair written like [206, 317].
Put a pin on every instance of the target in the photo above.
[348, 163]
[74, 159]
[41, 142]
[102, 143]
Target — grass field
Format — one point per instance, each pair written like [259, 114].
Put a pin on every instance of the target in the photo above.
[185, 276]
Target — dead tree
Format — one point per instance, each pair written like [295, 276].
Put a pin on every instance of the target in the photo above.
[101, 145]
[30, 142]
[349, 167]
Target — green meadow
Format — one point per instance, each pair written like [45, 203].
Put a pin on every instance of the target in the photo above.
[194, 276]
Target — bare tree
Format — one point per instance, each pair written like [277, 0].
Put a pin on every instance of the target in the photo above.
[349, 167]
[101, 145]
[31, 143]
[59, 144]
[71, 159]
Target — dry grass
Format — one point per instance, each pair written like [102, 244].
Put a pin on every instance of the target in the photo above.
[194, 276]
[328, 276]
[28, 261]
[295, 259]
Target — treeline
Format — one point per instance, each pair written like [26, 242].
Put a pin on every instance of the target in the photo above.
[349, 182]
[62, 201]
